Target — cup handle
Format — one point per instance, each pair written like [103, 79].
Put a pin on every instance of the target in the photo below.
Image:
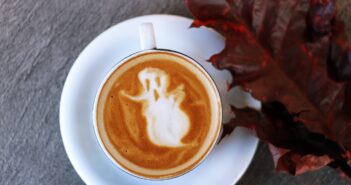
[147, 36]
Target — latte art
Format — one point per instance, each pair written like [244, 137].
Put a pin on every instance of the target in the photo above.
[166, 122]
[158, 115]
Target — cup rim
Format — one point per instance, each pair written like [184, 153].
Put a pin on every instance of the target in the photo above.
[205, 73]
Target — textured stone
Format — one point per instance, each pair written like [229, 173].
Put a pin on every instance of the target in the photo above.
[39, 41]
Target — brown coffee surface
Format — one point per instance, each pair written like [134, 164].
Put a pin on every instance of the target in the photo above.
[124, 120]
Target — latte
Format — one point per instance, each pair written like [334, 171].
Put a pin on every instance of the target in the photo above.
[158, 115]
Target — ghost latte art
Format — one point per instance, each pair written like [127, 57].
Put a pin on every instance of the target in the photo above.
[158, 114]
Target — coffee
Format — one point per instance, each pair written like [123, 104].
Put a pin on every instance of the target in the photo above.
[158, 114]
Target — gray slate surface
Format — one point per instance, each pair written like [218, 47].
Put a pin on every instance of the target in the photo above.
[39, 41]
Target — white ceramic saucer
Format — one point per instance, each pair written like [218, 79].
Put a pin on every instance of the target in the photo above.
[225, 164]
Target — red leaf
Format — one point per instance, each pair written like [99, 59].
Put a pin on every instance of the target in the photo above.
[293, 56]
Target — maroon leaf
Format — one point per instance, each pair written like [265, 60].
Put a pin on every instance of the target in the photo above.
[293, 56]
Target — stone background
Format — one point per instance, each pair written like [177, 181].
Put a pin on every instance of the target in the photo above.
[39, 41]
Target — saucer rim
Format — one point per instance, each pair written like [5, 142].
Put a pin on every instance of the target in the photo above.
[65, 140]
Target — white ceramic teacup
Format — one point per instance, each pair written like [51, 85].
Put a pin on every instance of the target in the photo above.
[148, 45]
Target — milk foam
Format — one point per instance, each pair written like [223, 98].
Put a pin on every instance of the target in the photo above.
[166, 122]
